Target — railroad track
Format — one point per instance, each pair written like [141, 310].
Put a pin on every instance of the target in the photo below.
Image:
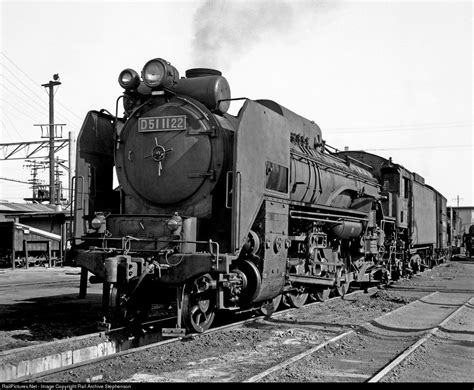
[412, 348]
[53, 364]
[103, 352]
[429, 288]
[382, 369]
[387, 368]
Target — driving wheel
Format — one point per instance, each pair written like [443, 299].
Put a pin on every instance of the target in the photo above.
[269, 308]
[296, 298]
[343, 287]
[321, 294]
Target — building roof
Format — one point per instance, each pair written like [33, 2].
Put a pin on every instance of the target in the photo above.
[29, 208]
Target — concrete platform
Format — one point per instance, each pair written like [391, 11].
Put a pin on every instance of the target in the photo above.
[38, 274]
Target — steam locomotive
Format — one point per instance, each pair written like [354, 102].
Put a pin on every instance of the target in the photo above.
[217, 212]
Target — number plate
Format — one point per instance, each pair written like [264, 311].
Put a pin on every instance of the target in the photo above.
[159, 123]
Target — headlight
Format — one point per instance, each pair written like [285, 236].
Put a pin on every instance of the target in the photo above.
[98, 221]
[158, 72]
[175, 223]
[129, 79]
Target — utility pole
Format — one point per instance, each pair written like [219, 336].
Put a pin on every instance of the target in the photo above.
[50, 86]
[58, 184]
[37, 187]
[458, 198]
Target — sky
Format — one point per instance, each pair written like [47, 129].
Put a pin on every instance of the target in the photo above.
[394, 78]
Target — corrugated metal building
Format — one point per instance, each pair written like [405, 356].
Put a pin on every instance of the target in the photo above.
[466, 213]
[36, 232]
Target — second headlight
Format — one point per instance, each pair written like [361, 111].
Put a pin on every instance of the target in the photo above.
[129, 79]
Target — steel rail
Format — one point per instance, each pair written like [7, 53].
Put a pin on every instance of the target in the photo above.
[413, 347]
[109, 333]
[294, 359]
[310, 351]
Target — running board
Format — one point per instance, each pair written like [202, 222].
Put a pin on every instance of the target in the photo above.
[314, 280]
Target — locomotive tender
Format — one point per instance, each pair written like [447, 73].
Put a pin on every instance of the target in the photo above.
[418, 210]
[219, 212]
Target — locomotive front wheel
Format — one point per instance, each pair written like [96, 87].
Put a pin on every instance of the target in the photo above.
[114, 310]
[120, 312]
[199, 309]
[296, 298]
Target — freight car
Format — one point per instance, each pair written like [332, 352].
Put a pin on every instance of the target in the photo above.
[218, 212]
[455, 235]
[469, 241]
[419, 211]
[439, 250]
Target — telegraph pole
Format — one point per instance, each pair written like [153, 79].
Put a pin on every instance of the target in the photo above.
[50, 86]
[458, 198]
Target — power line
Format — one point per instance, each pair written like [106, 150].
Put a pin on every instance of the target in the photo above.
[386, 130]
[13, 126]
[16, 181]
[464, 122]
[21, 112]
[26, 182]
[77, 116]
[40, 98]
[16, 66]
[41, 110]
[37, 84]
[422, 147]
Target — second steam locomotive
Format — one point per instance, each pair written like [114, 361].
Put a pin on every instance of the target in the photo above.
[219, 212]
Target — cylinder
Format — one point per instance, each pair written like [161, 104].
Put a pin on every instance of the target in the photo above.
[348, 229]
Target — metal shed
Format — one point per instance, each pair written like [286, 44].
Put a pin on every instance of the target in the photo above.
[33, 232]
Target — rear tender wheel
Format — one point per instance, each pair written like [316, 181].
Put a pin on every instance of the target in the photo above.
[199, 308]
[296, 298]
[269, 308]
